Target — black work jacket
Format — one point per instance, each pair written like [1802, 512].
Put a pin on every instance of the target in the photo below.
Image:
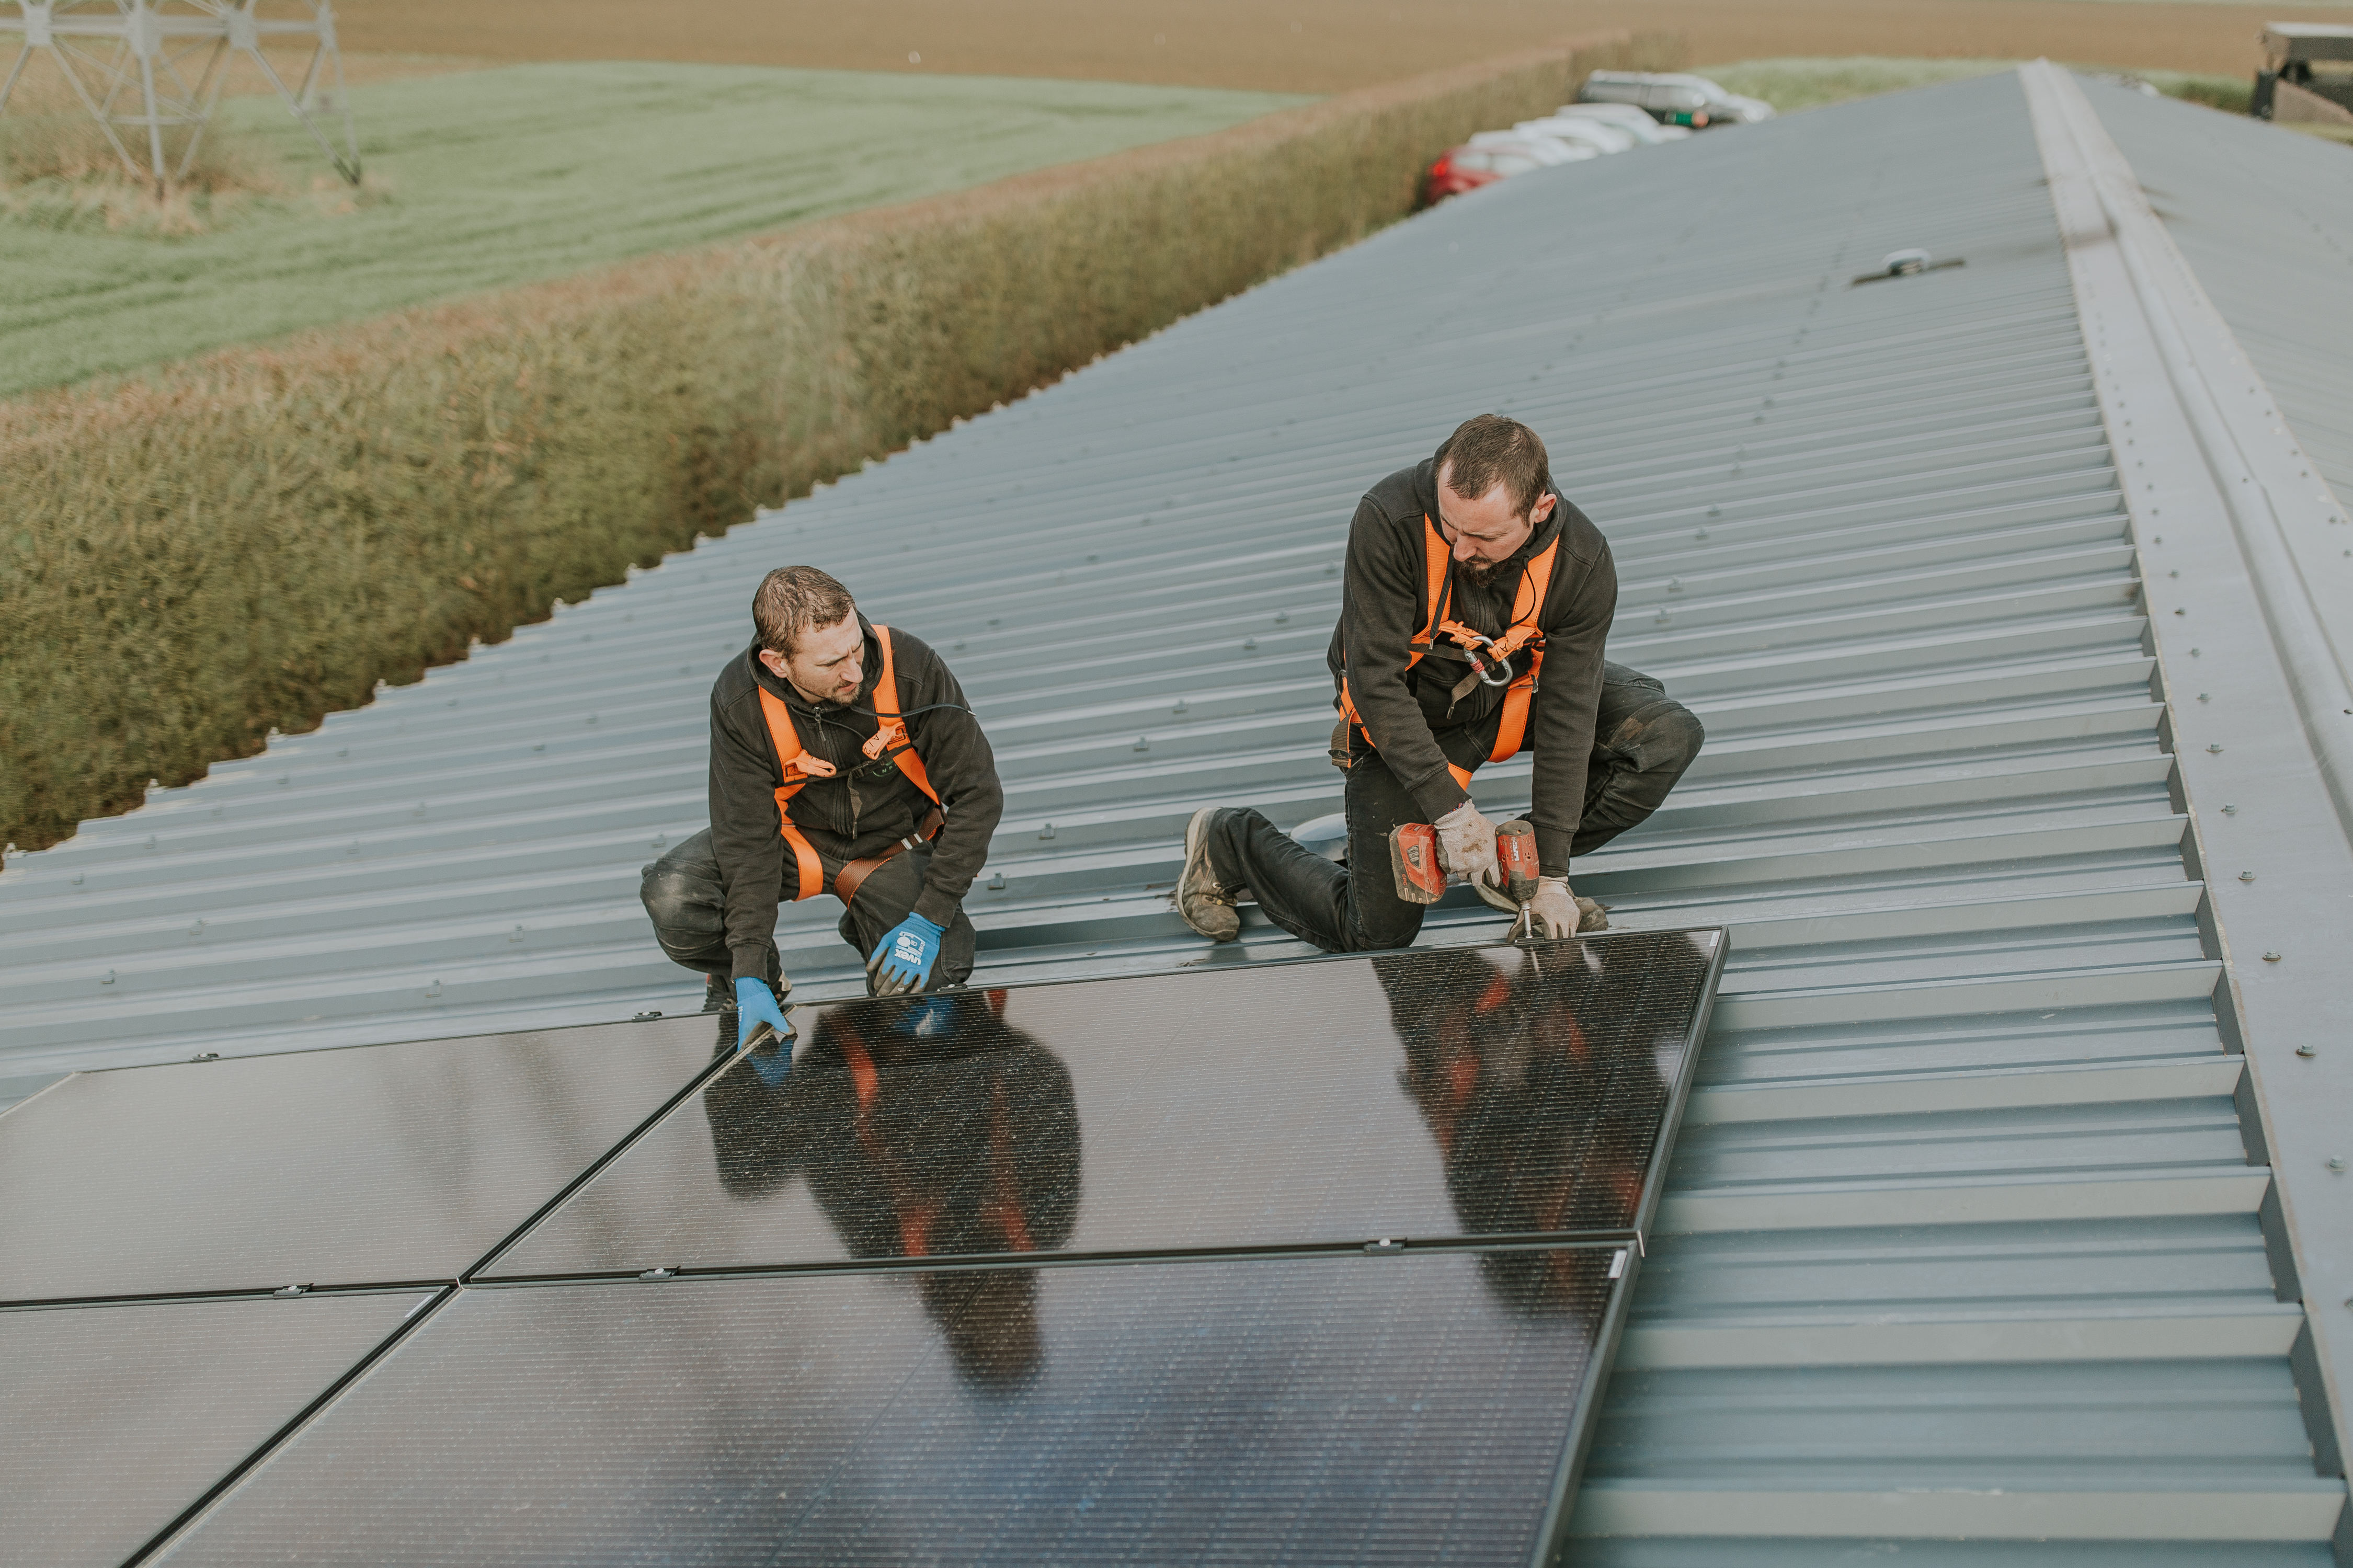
[842, 818]
[1413, 717]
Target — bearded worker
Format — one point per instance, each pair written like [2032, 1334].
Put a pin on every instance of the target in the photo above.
[1472, 617]
[844, 762]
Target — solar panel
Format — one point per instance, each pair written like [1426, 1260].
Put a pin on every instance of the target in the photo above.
[1451, 1092]
[115, 1420]
[1339, 1408]
[377, 1163]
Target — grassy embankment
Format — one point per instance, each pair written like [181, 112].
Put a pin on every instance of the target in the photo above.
[196, 555]
[482, 180]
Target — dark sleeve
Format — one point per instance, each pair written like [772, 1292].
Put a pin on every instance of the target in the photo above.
[957, 760]
[746, 836]
[1382, 593]
[1568, 695]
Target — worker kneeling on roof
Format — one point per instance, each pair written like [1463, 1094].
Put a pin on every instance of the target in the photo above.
[1471, 622]
[843, 763]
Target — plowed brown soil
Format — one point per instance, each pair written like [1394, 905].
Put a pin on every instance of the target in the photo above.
[1296, 46]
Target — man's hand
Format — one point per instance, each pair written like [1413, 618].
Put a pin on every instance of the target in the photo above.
[1466, 843]
[902, 961]
[756, 1005]
[1553, 910]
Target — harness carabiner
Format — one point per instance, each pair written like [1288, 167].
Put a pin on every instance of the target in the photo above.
[1479, 666]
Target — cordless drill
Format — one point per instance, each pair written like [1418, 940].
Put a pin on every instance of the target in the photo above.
[1421, 879]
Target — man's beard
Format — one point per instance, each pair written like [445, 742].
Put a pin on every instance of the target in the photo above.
[1479, 574]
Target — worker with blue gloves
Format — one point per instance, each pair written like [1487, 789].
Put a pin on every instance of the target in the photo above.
[844, 762]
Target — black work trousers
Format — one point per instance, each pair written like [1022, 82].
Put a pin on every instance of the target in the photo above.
[1643, 740]
[687, 900]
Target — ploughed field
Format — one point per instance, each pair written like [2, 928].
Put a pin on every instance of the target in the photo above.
[1303, 46]
[483, 178]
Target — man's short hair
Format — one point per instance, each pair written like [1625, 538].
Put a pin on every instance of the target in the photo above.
[1492, 447]
[791, 600]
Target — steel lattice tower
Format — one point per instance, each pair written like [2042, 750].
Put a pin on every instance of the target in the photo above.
[139, 67]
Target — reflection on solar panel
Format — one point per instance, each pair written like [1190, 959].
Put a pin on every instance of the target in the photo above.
[1458, 1092]
[381, 1163]
[1338, 1252]
[1333, 1409]
[114, 1420]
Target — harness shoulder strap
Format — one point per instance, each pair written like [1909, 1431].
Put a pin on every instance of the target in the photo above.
[1526, 606]
[798, 767]
[889, 728]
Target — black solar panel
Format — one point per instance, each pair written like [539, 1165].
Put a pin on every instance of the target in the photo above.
[115, 1420]
[378, 1164]
[1462, 1092]
[1341, 1408]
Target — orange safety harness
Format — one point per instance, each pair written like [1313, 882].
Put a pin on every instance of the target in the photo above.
[1523, 633]
[799, 766]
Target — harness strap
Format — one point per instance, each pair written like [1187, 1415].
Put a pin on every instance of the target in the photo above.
[799, 765]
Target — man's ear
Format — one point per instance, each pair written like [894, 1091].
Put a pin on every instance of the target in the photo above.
[1543, 508]
[775, 662]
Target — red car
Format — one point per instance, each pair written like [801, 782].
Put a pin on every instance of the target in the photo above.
[1466, 168]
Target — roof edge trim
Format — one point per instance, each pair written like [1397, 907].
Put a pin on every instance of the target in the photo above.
[2268, 786]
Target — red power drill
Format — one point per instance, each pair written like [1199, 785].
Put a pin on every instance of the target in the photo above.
[1420, 879]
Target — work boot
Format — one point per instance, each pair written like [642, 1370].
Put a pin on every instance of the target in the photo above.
[718, 994]
[1205, 906]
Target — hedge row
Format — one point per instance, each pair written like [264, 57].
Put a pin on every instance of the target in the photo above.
[196, 556]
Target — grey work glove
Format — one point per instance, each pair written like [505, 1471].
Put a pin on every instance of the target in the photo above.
[1553, 910]
[1466, 844]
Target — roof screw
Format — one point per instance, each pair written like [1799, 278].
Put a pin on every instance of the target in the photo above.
[1180, 706]
[1250, 645]
[1282, 618]
[2307, 1050]
[2246, 876]
[2202, 697]
[2230, 811]
[659, 1274]
[2180, 612]
[997, 883]
[110, 978]
[206, 1057]
[1701, 535]
[515, 935]
[1046, 831]
[2214, 748]
[433, 991]
[291, 1290]
[2337, 1162]
[2193, 653]
[2270, 958]
[1143, 742]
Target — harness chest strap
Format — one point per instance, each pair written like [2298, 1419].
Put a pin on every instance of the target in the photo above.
[799, 765]
[1527, 604]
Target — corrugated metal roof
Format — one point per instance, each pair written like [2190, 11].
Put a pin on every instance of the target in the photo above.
[2265, 216]
[1963, 1234]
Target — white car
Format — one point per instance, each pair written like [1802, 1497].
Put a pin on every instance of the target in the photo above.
[1544, 150]
[1673, 97]
[1579, 132]
[1626, 118]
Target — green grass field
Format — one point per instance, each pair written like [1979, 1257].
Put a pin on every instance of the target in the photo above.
[1794, 84]
[497, 177]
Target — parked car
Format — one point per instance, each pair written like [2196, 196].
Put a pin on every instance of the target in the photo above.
[1474, 163]
[1602, 138]
[1626, 118]
[1548, 150]
[1673, 98]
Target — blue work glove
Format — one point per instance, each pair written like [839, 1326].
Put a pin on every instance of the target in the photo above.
[903, 959]
[756, 1005]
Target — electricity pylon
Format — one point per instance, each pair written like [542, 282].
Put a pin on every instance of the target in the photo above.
[141, 66]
